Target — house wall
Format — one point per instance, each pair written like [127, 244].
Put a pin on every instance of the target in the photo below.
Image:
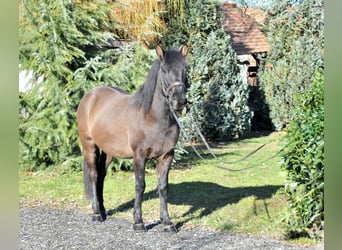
[249, 68]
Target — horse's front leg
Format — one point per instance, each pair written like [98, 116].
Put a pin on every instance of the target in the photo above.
[163, 167]
[139, 170]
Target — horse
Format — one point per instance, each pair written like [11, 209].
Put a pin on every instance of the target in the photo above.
[140, 126]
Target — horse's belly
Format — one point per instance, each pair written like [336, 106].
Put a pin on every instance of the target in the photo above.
[112, 140]
[109, 124]
[119, 152]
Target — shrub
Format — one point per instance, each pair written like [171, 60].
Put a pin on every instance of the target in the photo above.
[61, 42]
[296, 35]
[47, 125]
[54, 38]
[219, 97]
[304, 162]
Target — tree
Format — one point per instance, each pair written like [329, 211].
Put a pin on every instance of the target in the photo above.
[218, 96]
[297, 46]
[293, 84]
[65, 44]
[264, 4]
[221, 105]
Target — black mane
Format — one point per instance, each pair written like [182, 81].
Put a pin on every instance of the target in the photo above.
[144, 96]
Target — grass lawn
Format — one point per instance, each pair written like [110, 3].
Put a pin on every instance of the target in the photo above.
[200, 195]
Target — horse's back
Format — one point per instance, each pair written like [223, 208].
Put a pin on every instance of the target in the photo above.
[97, 100]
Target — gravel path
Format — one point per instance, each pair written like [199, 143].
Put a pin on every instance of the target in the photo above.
[56, 229]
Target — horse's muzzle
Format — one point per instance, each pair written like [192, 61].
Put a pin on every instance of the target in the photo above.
[180, 105]
[177, 96]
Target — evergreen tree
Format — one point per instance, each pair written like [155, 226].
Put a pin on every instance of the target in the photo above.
[218, 95]
[293, 83]
[64, 44]
[296, 35]
[55, 37]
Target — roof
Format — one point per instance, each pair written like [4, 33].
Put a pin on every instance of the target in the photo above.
[247, 37]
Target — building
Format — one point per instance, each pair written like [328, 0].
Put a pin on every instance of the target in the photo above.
[247, 38]
[250, 44]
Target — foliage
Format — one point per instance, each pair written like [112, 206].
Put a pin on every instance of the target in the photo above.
[296, 35]
[293, 87]
[264, 4]
[54, 36]
[218, 96]
[65, 44]
[304, 162]
[176, 31]
[126, 68]
[143, 20]
[59, 142]
[138, 20]
[61, 42]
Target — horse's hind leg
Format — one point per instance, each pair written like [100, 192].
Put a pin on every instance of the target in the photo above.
[90, 178]
[102, 166]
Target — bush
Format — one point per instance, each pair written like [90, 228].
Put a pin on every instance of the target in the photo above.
[296, 35]
[56, 38]
[61, 42]
[304, 162]
[219, 97]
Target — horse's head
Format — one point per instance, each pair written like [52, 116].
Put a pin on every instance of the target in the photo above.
[173, 76]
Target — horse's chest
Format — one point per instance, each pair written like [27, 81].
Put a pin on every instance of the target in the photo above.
[162, 142]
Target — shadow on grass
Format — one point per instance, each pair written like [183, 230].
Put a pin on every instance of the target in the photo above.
[205, 197]
[191, 158]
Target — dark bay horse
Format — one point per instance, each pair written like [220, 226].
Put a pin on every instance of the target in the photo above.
[112, 123]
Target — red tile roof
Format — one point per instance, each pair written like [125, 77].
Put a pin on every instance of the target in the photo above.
[247, 38]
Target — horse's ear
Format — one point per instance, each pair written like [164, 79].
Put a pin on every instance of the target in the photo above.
[160, 52]
[184, 50]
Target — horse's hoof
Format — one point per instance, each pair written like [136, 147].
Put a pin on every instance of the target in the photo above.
[104, 215]
[170, 229]
[97, 217]
[139, 227]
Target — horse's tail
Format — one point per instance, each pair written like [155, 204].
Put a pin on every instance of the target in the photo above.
[100, 159]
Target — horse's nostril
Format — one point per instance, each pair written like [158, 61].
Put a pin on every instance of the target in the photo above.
[181, 102]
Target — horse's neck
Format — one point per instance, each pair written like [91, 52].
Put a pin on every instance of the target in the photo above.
[160, 108]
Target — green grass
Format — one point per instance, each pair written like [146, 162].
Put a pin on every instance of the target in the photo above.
[200, 195]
